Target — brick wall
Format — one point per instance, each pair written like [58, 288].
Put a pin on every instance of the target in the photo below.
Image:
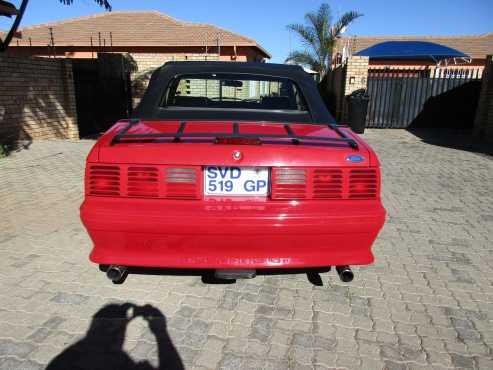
[483, 125]
[146, 63]
[344, 80]
[356, 74]
[37, 99]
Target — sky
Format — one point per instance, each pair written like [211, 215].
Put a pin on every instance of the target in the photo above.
[266, 20]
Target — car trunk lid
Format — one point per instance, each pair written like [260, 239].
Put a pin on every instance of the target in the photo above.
[217, 143]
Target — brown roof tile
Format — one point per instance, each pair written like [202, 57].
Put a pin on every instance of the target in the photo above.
[476, 46]
[146, 28]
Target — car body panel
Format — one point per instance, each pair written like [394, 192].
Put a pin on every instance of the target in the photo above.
[205, 152]
[226, 232]
[231, 233]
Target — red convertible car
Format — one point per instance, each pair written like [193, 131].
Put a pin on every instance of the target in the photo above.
[232, 167]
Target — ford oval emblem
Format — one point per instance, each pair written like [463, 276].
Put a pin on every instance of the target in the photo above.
[355, 158]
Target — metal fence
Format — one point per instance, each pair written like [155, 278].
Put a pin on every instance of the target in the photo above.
[398, 96]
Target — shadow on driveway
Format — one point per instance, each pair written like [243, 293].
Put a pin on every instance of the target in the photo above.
[102, 347]
[461, 139]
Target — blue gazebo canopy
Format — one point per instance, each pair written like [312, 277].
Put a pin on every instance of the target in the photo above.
[411, 50]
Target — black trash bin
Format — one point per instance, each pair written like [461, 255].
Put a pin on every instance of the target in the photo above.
[358, 106]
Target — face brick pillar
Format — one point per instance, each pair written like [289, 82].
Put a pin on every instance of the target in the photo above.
[356, 78]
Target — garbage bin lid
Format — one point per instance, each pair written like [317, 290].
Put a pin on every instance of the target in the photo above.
[360, 93]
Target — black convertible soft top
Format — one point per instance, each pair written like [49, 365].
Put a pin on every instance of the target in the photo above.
[150, 106]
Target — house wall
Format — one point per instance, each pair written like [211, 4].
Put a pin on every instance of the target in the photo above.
[144, 59]
[147, 63]
[356, 74]
[483, 124]
[37, 99]
[228, 53]
[343, 80]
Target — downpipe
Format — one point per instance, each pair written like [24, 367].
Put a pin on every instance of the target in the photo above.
[345, 273]
[116, 274]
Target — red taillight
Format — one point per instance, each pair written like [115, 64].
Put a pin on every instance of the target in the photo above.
[363, 184]
[143, 182]
[327, 183]
[104, 180]
[182, 182]
[324, 183]
[288, 183]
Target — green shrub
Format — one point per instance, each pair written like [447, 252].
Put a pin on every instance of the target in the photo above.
[4, 150]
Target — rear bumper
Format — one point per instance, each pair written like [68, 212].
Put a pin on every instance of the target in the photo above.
[231, 233]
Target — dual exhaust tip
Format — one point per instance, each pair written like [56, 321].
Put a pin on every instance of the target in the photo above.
[345, 273]
[117, 274]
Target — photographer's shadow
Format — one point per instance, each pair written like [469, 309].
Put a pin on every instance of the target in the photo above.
[102, 347]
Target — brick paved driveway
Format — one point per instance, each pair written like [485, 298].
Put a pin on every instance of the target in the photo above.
[427, 302]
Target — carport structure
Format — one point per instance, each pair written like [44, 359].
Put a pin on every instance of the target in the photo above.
[404, 97]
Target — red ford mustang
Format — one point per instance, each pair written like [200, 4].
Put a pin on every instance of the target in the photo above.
[232, 167]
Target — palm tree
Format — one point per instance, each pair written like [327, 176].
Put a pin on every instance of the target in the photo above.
[103, 3]
[319, 36]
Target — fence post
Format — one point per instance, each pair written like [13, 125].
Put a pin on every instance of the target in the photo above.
[483, 123]
[356, 78]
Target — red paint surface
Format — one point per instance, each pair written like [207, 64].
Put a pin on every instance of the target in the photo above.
[231, 232]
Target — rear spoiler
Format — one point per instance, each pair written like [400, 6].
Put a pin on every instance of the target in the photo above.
[123, 137]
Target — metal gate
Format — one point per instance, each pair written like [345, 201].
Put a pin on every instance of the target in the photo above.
[400, 98]
[102, 92]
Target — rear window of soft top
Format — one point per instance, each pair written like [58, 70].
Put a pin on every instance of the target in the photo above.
[234, 91]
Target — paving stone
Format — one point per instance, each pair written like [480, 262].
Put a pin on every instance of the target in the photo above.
[67, 298]
[211, 353]
[231, 362]
[11, 363]
[462, 362]
[421, 304]
[39, 335]
[261, 328]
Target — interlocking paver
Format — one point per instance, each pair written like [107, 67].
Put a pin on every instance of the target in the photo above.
[426, 303]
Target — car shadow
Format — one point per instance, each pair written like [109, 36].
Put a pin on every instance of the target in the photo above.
[207, 276]
[102, 347]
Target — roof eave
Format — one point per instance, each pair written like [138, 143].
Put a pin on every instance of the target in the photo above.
[264, 52]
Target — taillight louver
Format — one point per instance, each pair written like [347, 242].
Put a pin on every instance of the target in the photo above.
[327, 183]
[181, 183]
[288, 183]
[143, 182]
[363, 184]
[104, 180]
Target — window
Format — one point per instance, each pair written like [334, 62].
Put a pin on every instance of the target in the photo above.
[234, 91]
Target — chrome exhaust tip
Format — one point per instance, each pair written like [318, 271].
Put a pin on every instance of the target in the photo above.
[116, 274]
[345, 273]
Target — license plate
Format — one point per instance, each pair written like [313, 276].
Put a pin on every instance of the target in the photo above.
[246, 181]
